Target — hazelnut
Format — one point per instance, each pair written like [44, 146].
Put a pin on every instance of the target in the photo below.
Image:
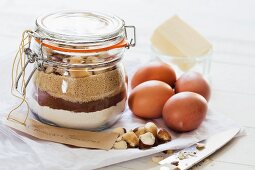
[176, 163]
[49, 70]
[99, 70]
[120, 145]
[146, 140]
[156, 142]
[74, 60]
[139, 131]
[119, 139]
[78, 72]
[103, 55]
[163, 136]
[119, 130]
[200, 146]
[182, 155]
[151, 127]
[131, 139]
[91, 59]
[60, 71]
[169, 152]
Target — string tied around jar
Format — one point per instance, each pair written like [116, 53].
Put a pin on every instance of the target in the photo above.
[19, 64]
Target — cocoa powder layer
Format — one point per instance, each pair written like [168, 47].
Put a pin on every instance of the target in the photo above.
[80, 90]
[45, 99]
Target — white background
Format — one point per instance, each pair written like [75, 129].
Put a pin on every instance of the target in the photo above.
[228, 24]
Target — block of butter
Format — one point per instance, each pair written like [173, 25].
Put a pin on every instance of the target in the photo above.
[176, 38]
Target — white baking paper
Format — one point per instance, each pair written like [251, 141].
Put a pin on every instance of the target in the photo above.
[22, 152]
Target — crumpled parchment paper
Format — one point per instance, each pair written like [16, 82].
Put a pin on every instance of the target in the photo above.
[18, 151]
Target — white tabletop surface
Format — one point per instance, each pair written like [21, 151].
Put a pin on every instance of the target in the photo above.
[228, 24]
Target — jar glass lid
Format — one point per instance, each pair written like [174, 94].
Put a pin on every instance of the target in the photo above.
[80, 26]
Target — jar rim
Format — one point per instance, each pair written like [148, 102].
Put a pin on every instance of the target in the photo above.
[80, 27]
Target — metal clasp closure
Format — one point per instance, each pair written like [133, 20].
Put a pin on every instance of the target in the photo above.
[132, 41]
[32, 57]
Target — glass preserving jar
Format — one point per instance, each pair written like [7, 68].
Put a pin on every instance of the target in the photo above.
[78, 80]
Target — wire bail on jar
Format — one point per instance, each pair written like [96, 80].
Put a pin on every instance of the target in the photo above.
[33, 57]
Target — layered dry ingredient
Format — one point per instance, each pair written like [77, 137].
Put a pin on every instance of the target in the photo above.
[78, 97]
[80, 80]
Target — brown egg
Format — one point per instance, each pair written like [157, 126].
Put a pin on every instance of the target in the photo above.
[148, 98]
[154, 71]
[193, 82]
[184, 111]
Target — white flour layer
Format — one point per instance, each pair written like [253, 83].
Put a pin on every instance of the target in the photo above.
[79, 120]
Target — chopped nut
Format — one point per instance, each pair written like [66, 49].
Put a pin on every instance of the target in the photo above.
[200, 146]
[146, 140]
[182, 155]
[131, 138]
[75, 60]
[143, 137]
[78, 72]
[176, 163]
[156, 141]
[169, 152]
[157, 159]
[60, 71]
[139, 131]
[103, 55]
[191, 153]
[119, 139]
[49, 70]
[151, 127]
[91, 59]
[163, 136]
[119, 130]
[120, 145]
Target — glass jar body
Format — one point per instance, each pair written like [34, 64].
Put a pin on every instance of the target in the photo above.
[78, 90]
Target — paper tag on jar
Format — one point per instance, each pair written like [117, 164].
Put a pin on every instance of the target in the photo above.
[79, 138]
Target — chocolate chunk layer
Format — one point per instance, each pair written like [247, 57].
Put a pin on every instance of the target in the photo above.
[44, 99]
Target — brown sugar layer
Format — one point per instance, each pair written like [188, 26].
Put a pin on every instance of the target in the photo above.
[45, 99]
[85, 89]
